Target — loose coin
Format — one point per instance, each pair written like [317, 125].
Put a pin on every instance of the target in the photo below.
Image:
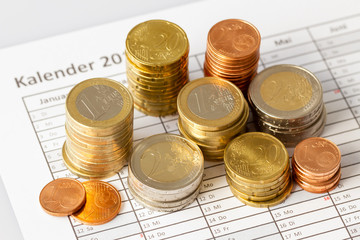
[103, 203]
[62, 197]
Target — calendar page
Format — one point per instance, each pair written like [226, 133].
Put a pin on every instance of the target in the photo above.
[321, 36]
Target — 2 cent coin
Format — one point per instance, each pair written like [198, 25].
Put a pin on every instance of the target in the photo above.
[103, 203]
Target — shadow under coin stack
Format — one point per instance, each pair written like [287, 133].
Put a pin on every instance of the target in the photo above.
[258, 169]
[165, 172]
[99, 128]
[233, 52]
[288, 103]
[212, 111]
[156, 65]
[316, 165]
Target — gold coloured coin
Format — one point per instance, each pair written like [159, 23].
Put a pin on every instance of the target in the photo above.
[269, 203]
[264, 198]
[99, 104]
[86, 173]
[211, 113]
[156, 65]
[260, 187]
[210, 103]
[256, 157]
[99, 128]
[156, 43]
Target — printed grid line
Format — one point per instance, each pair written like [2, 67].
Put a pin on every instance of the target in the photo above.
[162, 122]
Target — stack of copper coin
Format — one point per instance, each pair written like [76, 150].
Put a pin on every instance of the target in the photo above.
[165, 172]
[233, 52]
[156, 65]
[316, 165]
[288, 103]
[212, 111]
[258, 169]
[99, 128]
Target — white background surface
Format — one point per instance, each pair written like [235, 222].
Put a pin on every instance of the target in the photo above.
[23, 21]
[26, 20]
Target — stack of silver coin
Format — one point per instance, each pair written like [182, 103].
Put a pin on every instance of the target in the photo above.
[287, 102]
[165, 172]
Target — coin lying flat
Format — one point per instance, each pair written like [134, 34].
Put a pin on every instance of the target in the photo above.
[103, 203]
[62, 197]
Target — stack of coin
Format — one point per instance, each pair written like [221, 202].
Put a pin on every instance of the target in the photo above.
[156, 65]
[288, 103]
[258, 169]
[316, 165]
[99, 128]
[165, 172]
[66, 196]
[233, 52]
[212, 111]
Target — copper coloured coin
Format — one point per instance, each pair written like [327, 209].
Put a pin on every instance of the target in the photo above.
[62, 197]
[317, 156]
[317, 188]
[103, 203]
[234, 38]
[232, 52]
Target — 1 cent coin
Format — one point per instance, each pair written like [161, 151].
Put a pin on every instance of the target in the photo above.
[317, 156]
[103, 203]
[62, 197]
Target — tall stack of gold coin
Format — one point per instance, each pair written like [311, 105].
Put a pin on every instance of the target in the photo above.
[165, 172]
[233, 52]
[212, 111]
[316, 165]
[258, 169]
[99, 128]
[156, 65]
[288, 103]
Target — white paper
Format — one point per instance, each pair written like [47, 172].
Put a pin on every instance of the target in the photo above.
[323, 36]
